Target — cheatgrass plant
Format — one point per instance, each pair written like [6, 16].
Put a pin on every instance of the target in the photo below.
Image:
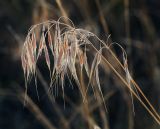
[70, 50]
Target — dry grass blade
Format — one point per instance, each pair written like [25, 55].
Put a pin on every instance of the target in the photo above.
[68, 53]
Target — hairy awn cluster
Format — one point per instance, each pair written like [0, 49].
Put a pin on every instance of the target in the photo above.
[69, 48]
[65, 43]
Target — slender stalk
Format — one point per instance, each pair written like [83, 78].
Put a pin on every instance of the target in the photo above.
[155, 117]
[62, 10]
[136, 85]
[102, 18]
[36, 111]
[127, 24]
[155, 114]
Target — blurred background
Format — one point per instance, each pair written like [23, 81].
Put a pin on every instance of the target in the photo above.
[135, 24]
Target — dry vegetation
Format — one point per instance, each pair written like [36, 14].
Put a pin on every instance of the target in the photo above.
[76, 76]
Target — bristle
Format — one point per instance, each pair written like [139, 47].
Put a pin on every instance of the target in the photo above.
[47, 57]
[41, 45]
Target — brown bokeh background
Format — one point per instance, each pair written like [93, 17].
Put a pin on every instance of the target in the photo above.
[133, 24]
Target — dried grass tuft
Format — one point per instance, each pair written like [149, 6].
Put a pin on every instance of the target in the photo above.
[70, 48]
